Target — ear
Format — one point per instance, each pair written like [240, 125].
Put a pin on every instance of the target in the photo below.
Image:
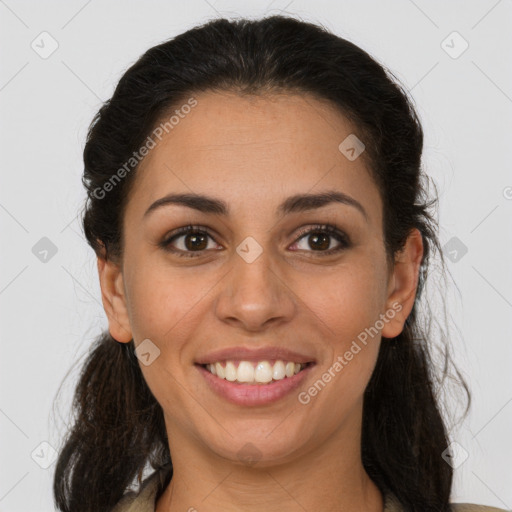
[403, 284]
[114, 300]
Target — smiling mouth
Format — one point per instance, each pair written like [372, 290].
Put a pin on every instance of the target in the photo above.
[255, 372]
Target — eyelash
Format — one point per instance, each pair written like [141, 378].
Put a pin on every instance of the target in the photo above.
[328, 229]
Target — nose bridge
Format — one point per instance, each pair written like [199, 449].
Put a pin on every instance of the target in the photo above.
[254, 292]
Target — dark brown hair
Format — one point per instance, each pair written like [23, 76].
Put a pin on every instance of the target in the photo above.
[119, 427]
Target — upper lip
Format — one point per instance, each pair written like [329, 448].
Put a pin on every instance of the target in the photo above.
[254, 354]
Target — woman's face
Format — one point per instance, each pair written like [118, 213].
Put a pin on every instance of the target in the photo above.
[256, 280]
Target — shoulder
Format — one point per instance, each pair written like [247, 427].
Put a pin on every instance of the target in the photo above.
[391, 504]
[144, 500]
[468, 507]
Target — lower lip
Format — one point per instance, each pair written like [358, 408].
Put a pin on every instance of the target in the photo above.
[254, 394]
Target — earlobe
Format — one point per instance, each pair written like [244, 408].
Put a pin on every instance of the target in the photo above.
[114, 300]
[403, 284]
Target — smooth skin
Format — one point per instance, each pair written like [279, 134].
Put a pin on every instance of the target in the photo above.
[253, 152]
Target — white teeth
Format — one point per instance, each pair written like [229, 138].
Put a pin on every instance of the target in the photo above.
[279, 370]
[245, 372]
[263, 372]
[230, 371]
[219, 370]
[290, 369]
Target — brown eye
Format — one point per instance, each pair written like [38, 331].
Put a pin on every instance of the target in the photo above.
[192, 241]
[186, 241]
[196, 241]
[319, 238]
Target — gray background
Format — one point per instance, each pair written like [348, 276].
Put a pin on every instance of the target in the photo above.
[51, 310]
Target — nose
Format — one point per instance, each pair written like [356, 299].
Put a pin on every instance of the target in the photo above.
[255, 294]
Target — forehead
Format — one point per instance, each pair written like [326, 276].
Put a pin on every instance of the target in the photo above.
[254, 148]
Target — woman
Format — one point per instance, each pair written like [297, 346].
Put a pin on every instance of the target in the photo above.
[255, 202]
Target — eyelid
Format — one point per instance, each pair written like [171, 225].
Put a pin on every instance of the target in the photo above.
[331, 229]
[327, 228]
[165, 244]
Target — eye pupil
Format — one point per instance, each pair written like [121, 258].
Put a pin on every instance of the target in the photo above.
[316, 237]
[198, 241]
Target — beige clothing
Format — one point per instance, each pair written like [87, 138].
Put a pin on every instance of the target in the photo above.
[145, 501]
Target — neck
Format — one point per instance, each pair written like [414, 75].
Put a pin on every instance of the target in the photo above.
[330, 478]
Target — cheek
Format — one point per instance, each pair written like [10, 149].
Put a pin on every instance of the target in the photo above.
[349, 302]
[157, 301]
[167, 304]
[350, 306]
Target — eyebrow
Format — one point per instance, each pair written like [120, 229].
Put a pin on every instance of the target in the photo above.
[293, 204]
